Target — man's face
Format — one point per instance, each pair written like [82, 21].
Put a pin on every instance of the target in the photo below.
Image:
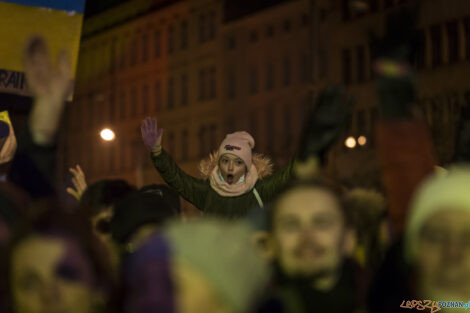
[308, 232]
[443, 256]
[51, 275]
[232, 168]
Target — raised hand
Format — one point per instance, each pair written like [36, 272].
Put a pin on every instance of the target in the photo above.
[151, 135]
[78, 181]
[50, 85]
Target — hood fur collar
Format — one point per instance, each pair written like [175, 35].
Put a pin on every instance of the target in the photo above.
[263, 165]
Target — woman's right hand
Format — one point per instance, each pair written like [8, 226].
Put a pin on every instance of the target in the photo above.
[151, 135]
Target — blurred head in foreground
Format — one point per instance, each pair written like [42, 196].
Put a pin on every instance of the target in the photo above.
[200, 266]
[437, 237]
[310, 233]
[57, 265]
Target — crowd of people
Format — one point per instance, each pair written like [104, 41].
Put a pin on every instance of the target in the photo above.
[286, 241]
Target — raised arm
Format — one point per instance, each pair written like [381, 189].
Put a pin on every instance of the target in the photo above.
[190, 188]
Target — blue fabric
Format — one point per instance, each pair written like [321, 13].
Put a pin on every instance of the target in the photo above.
[65, 5]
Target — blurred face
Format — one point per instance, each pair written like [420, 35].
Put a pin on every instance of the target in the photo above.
[50, 275]
[443, 256]
[308, 233]
[232, 168]
[194, 294]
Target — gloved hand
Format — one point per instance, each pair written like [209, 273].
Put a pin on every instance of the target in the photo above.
[392, 56]
[151, 135]
[324, 123]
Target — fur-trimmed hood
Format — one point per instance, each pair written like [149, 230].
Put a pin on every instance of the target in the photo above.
[263, 165]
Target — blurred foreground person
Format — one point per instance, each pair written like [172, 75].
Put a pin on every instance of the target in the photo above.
[236, 180]
[137, 217]
[311, 238]
[99, 200]
[433, 263]
[368, 218]
[57, 265]
[205, 266]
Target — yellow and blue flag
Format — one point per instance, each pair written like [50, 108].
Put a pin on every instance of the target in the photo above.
[58, 21]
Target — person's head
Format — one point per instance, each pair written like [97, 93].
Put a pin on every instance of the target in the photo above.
[169, 195]
[368, 218]
[137, 216]
[437, 235]
[309, 229]
[57, 266]
[206, 266]
[99, 200]
[235, 156]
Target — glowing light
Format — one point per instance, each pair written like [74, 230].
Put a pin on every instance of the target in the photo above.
[362, 140]
[107, 134]
[350, 142]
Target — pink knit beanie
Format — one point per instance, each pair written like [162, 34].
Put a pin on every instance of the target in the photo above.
[240, 144]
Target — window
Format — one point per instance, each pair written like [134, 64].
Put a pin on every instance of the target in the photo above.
[373, 5]
[286, 71]
[466, 24]
[253, 88]
[184, 35]
[184, 145]
[453, 41]
[286, 25]
[420, 61]
[134, 102]
[158, 95]
[213, 136]
[287, 127]
[346, 66]
[269, 76]
[212, 83]
[345, 12]
[436, 45]
[171, 39]
[145, 47]
[202, 141]
[134, 45]
[270, 131]
[304, 20]
[202, 28]
[231, 42]
[170, 93]
[212, 26]
[171, 143]
[253, 36]
[231, 82]
[184, 90]
[122, 105]
[360, 64]
[145, 99]
[122, 56]
[253, 121]
[304, 68]
[202, 83]
[270, 31]
[157, 43]
[114, 60]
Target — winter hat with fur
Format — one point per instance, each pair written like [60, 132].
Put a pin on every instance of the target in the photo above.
[240, 144]
[439, 192]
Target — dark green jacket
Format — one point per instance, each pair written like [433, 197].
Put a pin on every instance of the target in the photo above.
[202, 196]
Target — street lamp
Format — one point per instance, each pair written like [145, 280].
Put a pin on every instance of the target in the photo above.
[107, 134]
[362, 140]
[350, 142]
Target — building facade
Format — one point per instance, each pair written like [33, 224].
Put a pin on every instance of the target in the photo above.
[200, 75]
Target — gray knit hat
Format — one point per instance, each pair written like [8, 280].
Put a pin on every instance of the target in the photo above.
[224, 253]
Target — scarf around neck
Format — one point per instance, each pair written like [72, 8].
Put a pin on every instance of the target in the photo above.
[240, 188]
